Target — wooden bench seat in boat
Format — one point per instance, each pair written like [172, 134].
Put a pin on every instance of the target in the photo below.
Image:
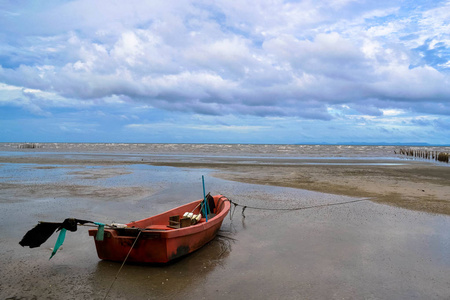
[166, 227]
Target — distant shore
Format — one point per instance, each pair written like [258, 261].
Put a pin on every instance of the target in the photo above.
[416, 185]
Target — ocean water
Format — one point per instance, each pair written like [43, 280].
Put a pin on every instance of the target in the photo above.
[262, 150]
[222, 153]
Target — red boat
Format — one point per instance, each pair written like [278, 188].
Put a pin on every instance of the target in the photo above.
[156, 240]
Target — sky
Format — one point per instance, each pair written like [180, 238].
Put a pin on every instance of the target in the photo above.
[185, 71]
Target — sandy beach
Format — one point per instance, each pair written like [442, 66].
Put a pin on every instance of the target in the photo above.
[393, 244]
[411, 184]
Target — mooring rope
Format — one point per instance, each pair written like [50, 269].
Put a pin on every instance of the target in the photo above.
[112, 283]
[244, 207]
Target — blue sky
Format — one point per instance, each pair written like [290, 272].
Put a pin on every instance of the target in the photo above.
[225, 71]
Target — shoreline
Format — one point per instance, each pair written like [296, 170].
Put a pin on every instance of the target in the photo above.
[411, 184]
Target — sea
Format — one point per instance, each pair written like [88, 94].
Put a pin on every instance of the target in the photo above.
[226, 151]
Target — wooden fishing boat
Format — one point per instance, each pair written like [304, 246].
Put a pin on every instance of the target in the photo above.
[156, 240]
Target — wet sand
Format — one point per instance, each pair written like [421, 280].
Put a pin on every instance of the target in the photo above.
[411, 184]
[415, 185]
[360, 250]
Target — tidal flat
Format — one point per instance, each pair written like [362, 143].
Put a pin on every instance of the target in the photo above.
[375, 248]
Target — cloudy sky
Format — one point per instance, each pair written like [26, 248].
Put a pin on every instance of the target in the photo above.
[267, 71]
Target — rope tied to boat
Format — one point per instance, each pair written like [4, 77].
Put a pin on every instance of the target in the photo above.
[234, 208]
[123, 263]
[244, 207]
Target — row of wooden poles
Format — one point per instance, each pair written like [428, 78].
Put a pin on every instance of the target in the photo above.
[426, 154]
[29, 146]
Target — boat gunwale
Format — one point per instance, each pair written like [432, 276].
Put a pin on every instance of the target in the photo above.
[174, 232]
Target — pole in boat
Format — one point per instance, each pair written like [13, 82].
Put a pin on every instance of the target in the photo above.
[205, 206]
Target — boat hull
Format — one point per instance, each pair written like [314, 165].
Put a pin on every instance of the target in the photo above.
[157, 242]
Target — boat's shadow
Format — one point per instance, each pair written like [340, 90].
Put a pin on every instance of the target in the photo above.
[180, 274]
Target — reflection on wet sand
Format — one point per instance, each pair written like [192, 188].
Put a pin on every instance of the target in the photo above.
[162, 281]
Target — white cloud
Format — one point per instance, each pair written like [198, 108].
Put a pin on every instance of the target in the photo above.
[392, 112]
